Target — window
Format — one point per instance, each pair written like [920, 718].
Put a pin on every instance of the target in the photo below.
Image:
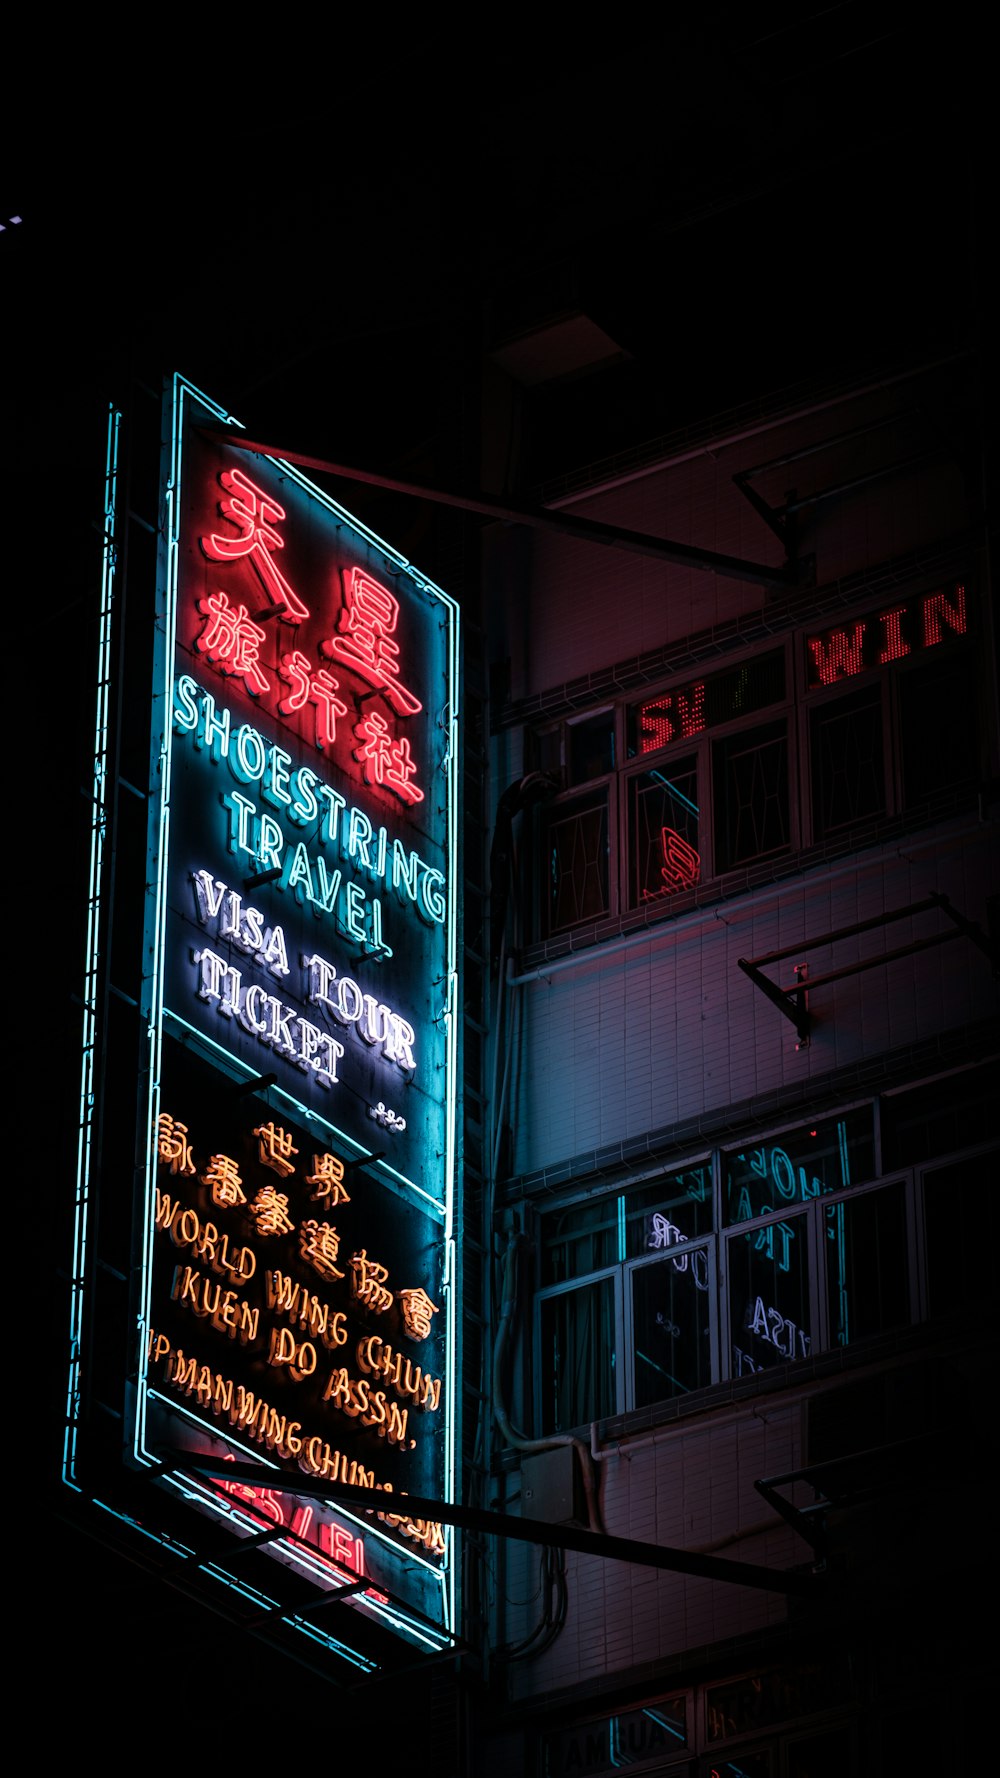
[671, 1326]
[770, 1319]
[904, 735]
[727, 770]
[848, 763]
[798, 1165]
[937, 727]
[961, 1229]
[576, 858]
[750, 793]
[575, 830]
[867, 1275]
[744, 775]
[626, 1273]
[760, 1255]
[579, 1348]
[664, 839]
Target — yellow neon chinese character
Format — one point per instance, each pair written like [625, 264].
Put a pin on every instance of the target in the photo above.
[319, 1244]
[329, 1179]
[368, 1282]
[270, 1211]
[172, 1144]
[223, 1177]
[275, 1147]
[417, 1311]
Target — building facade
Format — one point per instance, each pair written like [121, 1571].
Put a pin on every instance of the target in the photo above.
[742, 1147]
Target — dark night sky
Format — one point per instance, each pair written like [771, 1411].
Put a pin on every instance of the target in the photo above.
[768, 187]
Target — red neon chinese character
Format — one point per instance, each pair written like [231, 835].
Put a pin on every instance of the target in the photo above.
[319, 688]
[253, 512]
[232, 640]
[681, 866]
[386, 761]
[367, 623]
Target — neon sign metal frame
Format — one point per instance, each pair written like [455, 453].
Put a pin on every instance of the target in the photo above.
[185, 407]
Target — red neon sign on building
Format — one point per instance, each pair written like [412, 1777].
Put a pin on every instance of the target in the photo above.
[364, 643]
[889, 635]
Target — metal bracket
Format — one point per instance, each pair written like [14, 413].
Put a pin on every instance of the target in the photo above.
[793, 1003]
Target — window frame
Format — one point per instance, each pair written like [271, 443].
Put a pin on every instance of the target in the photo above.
[800, 708]
[620, 1270]
[552, 749]
[715, 1241]
[890, 678]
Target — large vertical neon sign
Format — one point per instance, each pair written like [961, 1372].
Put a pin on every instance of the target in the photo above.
[298, 1254]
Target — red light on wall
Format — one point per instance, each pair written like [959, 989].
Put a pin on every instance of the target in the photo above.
[681, 867]
[921, 622]
[657, 725]
[893, 646]
[254, 515]
[838, 655]
[941, 613]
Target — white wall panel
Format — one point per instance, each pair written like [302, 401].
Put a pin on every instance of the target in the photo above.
[670, 1027]
[683, 1488]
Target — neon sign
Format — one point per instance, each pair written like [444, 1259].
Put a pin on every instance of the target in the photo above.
[364, 641]
[688, 710]
[299, 1259]
[680, 867]
[887, 636]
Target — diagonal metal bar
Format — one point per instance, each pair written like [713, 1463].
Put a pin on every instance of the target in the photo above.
[494, 1524]
[541, 518]
[791, 1001]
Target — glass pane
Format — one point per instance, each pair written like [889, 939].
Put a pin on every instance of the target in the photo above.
[743, 1705]
[632, 1737]
[578, 1357]
[940, 1116]
[678, 714]
[663, 831]
[590, 747]
[577, 868]
[742, 1765]
[750, 788]
[937, 720]
[675, 1208]
[821, 1756]
[670, 1327]
[962, 1222]
[848, 776]
[769, 1321]
[866, 1264]
[799, 1164]
[585, 1238]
